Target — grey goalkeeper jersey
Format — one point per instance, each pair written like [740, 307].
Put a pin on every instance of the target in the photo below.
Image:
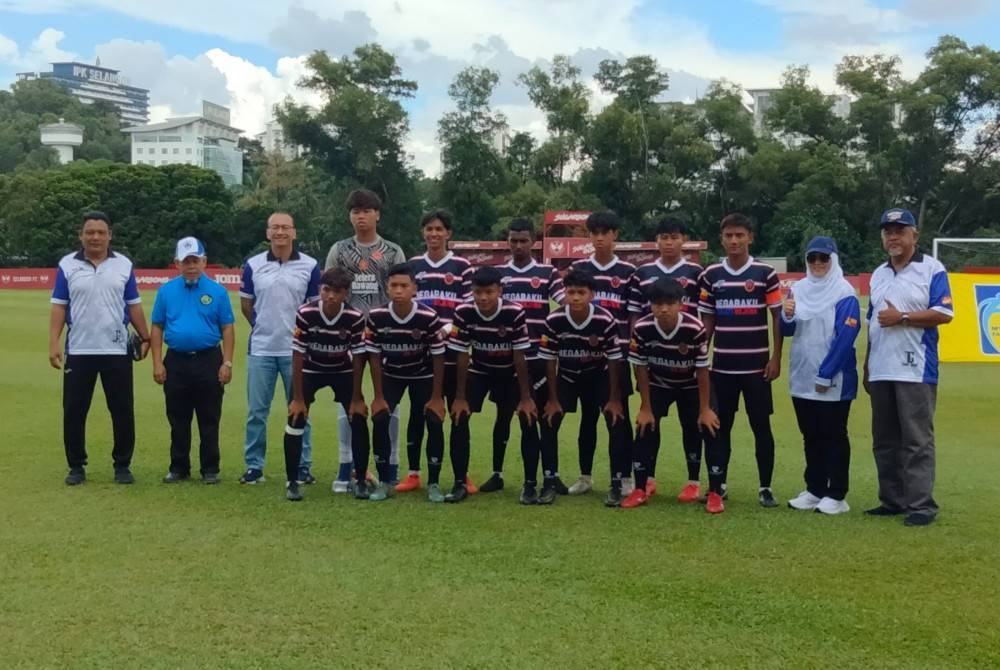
[369, 263]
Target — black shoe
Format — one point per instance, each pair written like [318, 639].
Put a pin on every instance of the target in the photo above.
[292, 491]
[561, 488]
[548, 494]
[766, 498]
[882, 510]
[529, 496]
[458, 493]
[174, 477]
[614, 498]
[360, 491]
[75, 476]
[124, 476]
[210, 477]
[918, 519]
[494, 483]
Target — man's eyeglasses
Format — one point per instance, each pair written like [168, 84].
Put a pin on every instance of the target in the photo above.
[818, 258]
[281, 228]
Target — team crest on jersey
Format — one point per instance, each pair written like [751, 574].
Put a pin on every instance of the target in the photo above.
[593, 340]
[377, 255]
[749, 285]
[416, 333]
[616, 282]
[682, 348]
[536, 282]
[343, 334]
[206, 299]
[683, 281]
[502, 331]
[449, 278]
[363, 265]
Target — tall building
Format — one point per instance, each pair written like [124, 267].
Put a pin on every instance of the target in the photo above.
[93, 83]
[273, 141]
[206, 140]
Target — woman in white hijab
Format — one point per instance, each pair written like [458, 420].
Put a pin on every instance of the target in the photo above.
[823, 314]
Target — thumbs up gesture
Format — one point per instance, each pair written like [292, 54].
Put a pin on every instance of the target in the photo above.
[890, 316]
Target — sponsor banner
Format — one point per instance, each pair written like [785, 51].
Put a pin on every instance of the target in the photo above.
[974, 334]
[45, 278]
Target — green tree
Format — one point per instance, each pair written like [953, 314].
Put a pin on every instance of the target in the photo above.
[564, 98]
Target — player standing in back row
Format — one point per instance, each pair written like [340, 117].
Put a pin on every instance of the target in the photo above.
[612, 277]
[671, 234]
[532, 285]
[368, 257]
[736, 296]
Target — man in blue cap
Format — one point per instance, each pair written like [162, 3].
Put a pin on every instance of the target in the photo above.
[910, 297]
[192, 314]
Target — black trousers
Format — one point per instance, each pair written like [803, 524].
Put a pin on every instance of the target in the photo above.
[192, 389]
[79, 379]
[647, 446]
[828, 448]
[759, 404]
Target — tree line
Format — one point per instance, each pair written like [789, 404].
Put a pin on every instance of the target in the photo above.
[929, 143]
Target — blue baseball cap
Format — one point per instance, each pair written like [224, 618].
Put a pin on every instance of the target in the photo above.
[821, 244]
[897, 216]
[189, 246]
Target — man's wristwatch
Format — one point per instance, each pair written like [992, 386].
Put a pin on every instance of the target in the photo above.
[228, 364]
[904, 318]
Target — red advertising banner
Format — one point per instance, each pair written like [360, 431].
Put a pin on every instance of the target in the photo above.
[45, 278]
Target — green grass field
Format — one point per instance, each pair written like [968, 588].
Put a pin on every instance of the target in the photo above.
[155, 576]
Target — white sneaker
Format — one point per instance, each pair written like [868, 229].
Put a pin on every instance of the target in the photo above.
[341, 486]
[804, 500]
[833, 506]
[627, 486]
[582, 485]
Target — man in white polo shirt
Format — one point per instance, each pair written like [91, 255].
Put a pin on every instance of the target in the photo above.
[910, 298]
[95, 297]
[275, 284]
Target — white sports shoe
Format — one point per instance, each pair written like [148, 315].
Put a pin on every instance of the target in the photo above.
[804, 500]
[340, 486]
[582, 485]
[832, 506]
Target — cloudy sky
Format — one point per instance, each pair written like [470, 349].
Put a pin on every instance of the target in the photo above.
[248, 54]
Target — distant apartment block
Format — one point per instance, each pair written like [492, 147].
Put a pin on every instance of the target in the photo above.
[206, 140]
[93, 83]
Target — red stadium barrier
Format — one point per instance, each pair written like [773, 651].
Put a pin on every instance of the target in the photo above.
[45, 278]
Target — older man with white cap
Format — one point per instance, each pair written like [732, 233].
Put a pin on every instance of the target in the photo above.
[192, 314]
[910, 298]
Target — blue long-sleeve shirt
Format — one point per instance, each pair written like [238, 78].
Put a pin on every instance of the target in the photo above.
[823, 352]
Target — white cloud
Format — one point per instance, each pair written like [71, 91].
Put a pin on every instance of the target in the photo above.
[44, 49]
[8, 49]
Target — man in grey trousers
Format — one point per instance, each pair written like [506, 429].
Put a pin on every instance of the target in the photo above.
[910, 298]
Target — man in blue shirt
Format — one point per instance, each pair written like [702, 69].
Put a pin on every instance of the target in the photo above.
[192, 314]
[95, 298]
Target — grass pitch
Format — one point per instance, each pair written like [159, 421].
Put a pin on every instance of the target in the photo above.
[191, 576]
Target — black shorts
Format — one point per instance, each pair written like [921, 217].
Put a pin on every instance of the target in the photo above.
[756, 391]
[538, 371]
[503, 391]
[393, 389]
[662, 398]
[342, 386]
[591, 390]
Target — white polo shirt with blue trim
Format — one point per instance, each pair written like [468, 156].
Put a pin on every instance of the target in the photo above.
[278, 289]
[96, 299]
[907, 353]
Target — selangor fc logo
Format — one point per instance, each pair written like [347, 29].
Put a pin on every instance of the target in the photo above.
[988, 313]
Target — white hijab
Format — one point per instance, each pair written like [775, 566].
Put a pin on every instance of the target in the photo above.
[816, 295]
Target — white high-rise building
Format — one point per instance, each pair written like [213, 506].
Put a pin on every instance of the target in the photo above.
[273, 141]
[206, 140]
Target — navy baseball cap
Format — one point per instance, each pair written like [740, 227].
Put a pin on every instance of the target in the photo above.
[897, 216]
[823, 245]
